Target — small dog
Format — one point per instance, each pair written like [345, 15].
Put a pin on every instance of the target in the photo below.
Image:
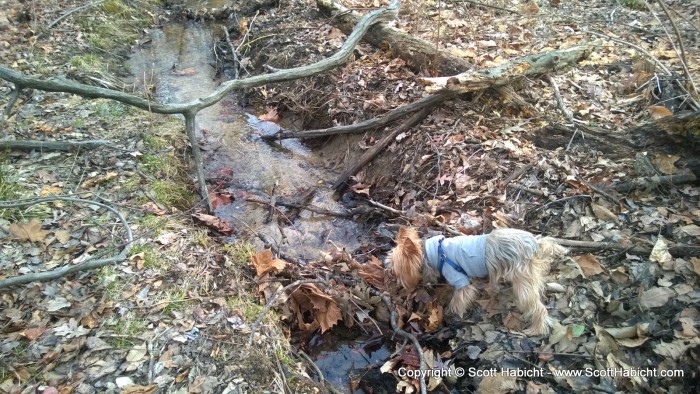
[515, 255]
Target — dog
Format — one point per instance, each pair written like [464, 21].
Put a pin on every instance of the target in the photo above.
[514, 255]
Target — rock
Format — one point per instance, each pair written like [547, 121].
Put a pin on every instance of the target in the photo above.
[4, 22]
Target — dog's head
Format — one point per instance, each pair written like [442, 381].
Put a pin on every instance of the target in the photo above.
[407, 258]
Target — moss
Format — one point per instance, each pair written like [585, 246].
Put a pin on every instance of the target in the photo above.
[240, 253]
[173, 194]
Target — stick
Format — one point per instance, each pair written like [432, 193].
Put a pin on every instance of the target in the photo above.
[84, 266]
[65, 146]
[649, 182]
[8, 107]
[73, 11]
[198, 160]
[410, 337]
[684, 60]
[362, 126]
[379, 146]
[676, 250]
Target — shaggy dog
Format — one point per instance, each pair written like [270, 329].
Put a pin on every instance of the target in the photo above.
[514, 255]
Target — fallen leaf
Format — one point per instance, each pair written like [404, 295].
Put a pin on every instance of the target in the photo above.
[220, 199]
[665, 163]
[589, 265]
[97, 180]
[373, 273]
[28, 231]
[264, 263]
[603, 213]
[214, 223]
[659, 254]
[658, 112]
[655, 297]
[189, 71]
[33, 333]
[271, 115]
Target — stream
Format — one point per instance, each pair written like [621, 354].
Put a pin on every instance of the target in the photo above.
[177, 62]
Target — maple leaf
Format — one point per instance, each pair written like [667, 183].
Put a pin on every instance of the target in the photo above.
[28, 231]
[264, 263]
[310, 298]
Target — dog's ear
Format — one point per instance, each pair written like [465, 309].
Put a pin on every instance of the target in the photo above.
[409, 241]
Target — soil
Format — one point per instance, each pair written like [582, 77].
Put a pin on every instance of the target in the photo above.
[177, 315]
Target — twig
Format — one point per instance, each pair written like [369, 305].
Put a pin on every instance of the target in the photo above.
[198, 159]
[314, 209]
[71, 12]
[321, 378]
[681, 55]
[410, 337]
[84, 266]
[525, 189]
[256, 326]
[495, 7]
[385, 207]
[516, 174]
[234, 53]
[8, 107]
[273, 201]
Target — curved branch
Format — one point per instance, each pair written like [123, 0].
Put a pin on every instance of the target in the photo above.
[84, 266]
[194, 106]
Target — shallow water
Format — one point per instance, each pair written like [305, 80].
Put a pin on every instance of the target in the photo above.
[177, 61]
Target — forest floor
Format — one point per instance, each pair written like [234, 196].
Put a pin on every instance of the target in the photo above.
[178, 314]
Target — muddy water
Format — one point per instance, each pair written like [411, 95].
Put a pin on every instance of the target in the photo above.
[176, 62]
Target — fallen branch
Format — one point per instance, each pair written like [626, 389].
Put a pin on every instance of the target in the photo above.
[373, 123]
[676, 250]
[371, 153]
[84, 266]
[8, 107]
[410, 337]
[507, 73]
[64, 146]
[654, 181]
[314, 209]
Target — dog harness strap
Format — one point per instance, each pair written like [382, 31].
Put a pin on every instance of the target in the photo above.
[444, 259]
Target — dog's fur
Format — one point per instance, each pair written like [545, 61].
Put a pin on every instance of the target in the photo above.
[514, 255]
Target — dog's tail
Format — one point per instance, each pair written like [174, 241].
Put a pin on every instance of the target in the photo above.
[529, 285]
[407, 258]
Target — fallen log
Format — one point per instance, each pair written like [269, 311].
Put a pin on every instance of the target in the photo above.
[507, 73]
[419, 55]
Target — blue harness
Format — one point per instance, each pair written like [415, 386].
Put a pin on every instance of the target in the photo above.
[444, 259]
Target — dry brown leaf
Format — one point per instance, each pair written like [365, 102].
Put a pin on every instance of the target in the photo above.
[214, 223]
[50, 191]
[589, 265]
[310, 298]
[435, 315]
[30, 231]
[97, 180]
[655, 297]
[659, 254]
[695, 261]
[264, 263]
[658, 112]
[604, 213]
[665, 163]
[373, 273]
[33, 333]
[185, 71]
[137, 389]
[271, 115]
[498, 384]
